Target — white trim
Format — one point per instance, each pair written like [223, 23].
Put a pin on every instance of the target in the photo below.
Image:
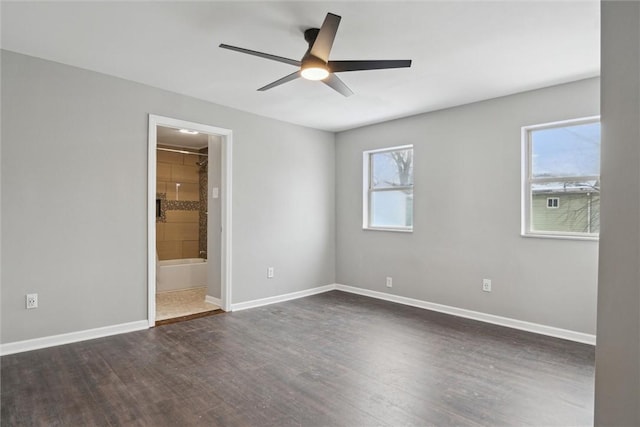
[55, 340]
[476, 315]
[525, 194]
[395, 148]
[226, 203]
[563, 123]
[151, 222]
[213, 300]
[281, 298]
[226, 220]
[71, 337]
[441, 308]
[366, 166]
[397, 230]
[551, 235]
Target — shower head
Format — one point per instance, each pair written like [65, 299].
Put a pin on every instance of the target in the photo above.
[202, 162]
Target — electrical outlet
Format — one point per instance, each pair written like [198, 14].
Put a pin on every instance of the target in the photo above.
[32, 301]
[486, 285]
[270, 273]
[389, 282]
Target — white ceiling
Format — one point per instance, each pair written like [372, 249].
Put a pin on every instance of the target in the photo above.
[461, 51]
[174, 138]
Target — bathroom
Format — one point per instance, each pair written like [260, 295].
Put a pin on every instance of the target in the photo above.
[188, 260]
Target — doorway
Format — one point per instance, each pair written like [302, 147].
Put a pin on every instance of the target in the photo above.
[216, 205]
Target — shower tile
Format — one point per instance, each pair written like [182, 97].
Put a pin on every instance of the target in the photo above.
[190, 249]
[161, 187]
[163, 172]
[181, 231]
[185, 173]
[169, 157]
[159, 231]
[188, 191]
[183, 216]
[169, 249]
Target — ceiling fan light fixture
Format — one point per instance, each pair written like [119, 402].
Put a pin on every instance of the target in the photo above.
[315, 64]
[314, 73]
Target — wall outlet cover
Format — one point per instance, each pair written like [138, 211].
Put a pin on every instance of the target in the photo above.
[31, 301]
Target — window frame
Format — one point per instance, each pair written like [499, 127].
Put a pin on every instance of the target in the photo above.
[527, 181]
[368, 190]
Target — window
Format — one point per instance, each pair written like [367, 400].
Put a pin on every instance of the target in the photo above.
[562, 161]
[388, 189]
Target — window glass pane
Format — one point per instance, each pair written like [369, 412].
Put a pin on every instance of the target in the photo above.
[392, 168]
[577, 209]
[392, 208]
[566, 151]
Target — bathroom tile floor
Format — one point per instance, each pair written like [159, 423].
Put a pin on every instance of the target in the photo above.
[183, 303]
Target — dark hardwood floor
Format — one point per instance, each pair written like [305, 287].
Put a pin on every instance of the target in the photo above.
[333, 359]
[189, 317]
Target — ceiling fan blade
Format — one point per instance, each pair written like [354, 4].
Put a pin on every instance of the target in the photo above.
[262, 55]
[283, 80]
[338, 85]
[341, 66]
[324, 41]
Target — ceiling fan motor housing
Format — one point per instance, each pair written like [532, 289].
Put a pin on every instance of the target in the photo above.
[310, 35]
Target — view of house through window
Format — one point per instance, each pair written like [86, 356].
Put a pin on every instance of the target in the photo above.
[388, 188]
[562, 179]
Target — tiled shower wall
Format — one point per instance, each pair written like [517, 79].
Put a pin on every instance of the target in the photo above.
[178, 185]
[203, 214]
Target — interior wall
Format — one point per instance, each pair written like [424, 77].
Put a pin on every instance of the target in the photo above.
[214, 218]
[81, 244]
[617, 390]
[467, 198]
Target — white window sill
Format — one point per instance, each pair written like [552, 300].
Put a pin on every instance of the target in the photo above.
[560, 237]
[397, 230]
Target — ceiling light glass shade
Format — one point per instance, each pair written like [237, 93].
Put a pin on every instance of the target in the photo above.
[315, 73]
[190, 132]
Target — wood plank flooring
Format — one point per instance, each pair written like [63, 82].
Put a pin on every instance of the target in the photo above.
[189, 317]
[333, 359]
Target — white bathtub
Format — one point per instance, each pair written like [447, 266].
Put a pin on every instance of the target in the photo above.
[173, 274]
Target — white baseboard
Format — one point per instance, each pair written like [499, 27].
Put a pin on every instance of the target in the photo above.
[54, 340]
[281, 298]
[213, 300]
[51, 341]
[476, 315]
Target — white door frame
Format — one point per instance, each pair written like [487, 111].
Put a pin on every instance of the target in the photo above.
[225, 200]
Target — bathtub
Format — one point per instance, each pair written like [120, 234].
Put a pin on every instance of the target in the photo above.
[174, 274]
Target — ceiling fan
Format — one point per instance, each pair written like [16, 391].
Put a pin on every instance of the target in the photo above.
[315, 64]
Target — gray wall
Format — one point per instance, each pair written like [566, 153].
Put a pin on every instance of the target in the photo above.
[214, 218]
[617, 401]
[467, 214]
[74, 229]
